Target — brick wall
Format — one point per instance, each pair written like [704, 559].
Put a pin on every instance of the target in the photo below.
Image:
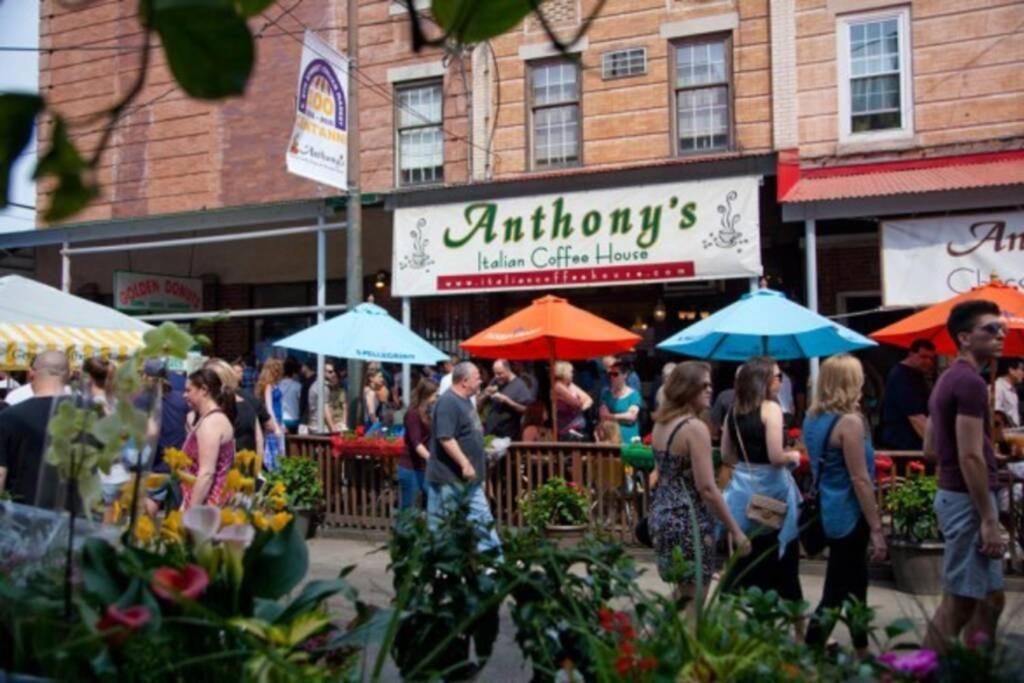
[967, 65]
[172, 154]
[846, 268]
[233, 337]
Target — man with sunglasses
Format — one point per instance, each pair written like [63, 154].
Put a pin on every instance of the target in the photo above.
[957, 436]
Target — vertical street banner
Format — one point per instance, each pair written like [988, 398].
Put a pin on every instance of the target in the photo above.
[318, 148]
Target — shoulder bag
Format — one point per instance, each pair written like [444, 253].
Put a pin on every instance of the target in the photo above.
[764, 510]
[812, 530]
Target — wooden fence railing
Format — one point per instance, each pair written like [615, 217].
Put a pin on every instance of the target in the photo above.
[362, 490]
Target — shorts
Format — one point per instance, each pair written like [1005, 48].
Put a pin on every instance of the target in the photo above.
[966, 572]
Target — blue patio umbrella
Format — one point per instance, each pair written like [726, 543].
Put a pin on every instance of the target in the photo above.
[764, 323]
[367, 332]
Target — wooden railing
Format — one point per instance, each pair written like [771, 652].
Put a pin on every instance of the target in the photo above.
[362, 490]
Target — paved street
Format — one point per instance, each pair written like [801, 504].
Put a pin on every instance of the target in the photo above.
[328, 555]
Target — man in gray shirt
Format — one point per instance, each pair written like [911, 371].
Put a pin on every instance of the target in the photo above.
[457, 458]
[508, 397]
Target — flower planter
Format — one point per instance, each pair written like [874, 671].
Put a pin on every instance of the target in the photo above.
[917, 567]
[305, 523]
[565, 536]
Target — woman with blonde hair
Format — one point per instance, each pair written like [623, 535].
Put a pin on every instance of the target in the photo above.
[843, 465]
[686, 500]
[248, 430]
[571, 403]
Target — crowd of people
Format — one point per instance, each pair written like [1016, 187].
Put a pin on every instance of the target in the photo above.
[226, 407]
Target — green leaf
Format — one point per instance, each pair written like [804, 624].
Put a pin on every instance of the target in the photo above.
[277, 566]
[63, 161]
[100, 571]
[899, 627]
[18, 113]
[167, 340]
[208, 45]
[473, 21]
[250, 8]
[313, 593]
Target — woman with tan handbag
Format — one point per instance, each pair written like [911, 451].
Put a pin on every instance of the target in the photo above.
[762, 495]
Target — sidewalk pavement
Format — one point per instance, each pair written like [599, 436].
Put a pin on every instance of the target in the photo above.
[329, 555]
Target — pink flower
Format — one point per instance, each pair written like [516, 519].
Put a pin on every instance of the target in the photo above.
[117, 624]
[173, 584]
[917, 663]
[978, 640]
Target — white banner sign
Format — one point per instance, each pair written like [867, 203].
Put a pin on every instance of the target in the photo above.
[147, 292]
[632, 235]
[319, 144]
[928, 260]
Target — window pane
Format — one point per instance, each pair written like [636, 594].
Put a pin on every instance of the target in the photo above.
[556, 135]
[703, 118]
[874, 48]
[876, 93]
[700, 64]
[554, 83]
[421, 155]
[420, 105]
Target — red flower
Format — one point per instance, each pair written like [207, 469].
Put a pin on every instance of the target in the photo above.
[605, 616]
[647, 440]
[627, 649]
[648, 664]
[360, 430]
[117, 624]
[917, 467]
[336, 445]
[623, 665]
[173, 584]
[793, 433]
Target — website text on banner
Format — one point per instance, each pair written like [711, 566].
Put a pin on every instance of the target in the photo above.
[632, 235]
[932, 259]
[318, 148]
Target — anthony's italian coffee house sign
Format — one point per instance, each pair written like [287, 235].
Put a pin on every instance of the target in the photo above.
[932, 259]
[653, 233]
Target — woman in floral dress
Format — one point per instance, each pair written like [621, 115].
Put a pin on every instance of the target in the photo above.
[686, 499]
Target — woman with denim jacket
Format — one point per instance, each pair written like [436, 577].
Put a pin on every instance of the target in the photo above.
[839, 447]
[752, 441]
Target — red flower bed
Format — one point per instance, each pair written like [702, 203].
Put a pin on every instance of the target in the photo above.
[380, 446]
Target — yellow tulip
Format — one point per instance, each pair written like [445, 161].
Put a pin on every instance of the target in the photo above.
[278, 489]
[229, 516]
[278, 502]
[171, 529]
[176, 458]
[247, 485]
[155, 481]
[145, 531]
[233, 481]
[259, 521]
[280, 521]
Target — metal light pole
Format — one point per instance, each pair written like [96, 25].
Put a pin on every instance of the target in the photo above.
[353, 208]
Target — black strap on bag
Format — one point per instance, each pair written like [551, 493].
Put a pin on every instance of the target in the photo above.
[812, 530]
[642, 532]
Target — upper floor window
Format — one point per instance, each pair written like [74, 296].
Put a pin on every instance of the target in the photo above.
[554, 89]
[420, 133]
[874, 75]
[703, 101]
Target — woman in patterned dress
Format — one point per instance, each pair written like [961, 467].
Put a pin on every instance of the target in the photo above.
[686, 499]
[210, 443]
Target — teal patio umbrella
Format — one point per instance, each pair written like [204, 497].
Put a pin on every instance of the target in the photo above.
[764, 323]
[367, 332]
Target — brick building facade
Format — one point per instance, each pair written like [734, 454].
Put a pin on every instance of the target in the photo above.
[655, 90]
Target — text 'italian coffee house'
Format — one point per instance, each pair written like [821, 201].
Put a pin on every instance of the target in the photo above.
[652, 249]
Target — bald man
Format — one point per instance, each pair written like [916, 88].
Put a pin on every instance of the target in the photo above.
[23, 434]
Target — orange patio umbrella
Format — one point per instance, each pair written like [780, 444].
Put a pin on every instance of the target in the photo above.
[930, 323]
[550, 329]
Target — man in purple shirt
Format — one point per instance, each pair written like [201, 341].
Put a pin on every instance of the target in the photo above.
[957, 435]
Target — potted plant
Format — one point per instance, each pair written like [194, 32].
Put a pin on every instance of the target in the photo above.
[300, 477]
[915, 545]
[558, 509]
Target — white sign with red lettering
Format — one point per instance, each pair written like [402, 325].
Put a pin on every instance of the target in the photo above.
[149, 292]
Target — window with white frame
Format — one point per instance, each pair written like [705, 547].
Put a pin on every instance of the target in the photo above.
[874, 75]
[555, 113]
[703, 99]
[420, 133]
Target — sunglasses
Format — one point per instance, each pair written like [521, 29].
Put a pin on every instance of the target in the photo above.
[778, 375]
[614, 374]
[993, 328]
[707, 385]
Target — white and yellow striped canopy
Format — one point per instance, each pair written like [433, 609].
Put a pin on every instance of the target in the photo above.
[19, 343]
[35, 317]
